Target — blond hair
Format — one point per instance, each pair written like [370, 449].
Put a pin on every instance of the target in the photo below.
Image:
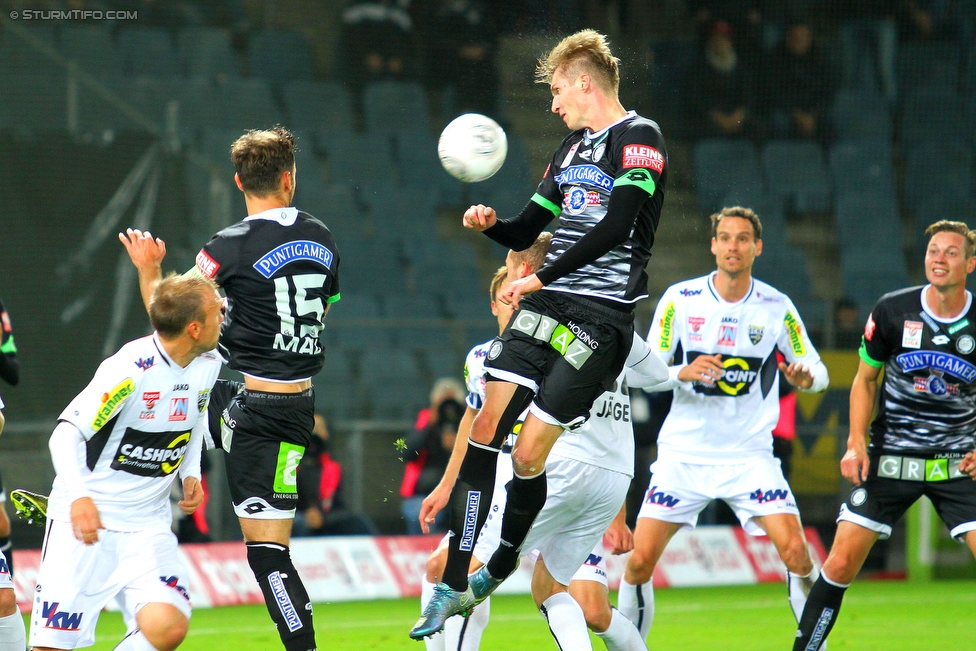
[496, 283]
[535, 255]
[583, 52]
[737, 211]
[946, 226]
[177, 301]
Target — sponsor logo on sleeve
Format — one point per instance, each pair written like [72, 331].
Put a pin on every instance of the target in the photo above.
[795, 332]
[667, 327]
[911, 335]
[207, 265]
[150, 454]
[643, 156]
[145, 363]
[690, 292]
[111, 401]
[268, 264]
[869, 328]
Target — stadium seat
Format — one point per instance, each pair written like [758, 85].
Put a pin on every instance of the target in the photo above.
[722, 165]
[415, 305]
[246, 104]
[928, 65]
[933, 115]
[98, 114]
[795, 172]
[93, 50]
[392, 106]
[21, 51]
[938, 169]
[858, 115]
[317, 105]
[932, 210]
[855, 165]
[280, 56]
[206, 52]
[868, 218]
[147, 51]
[357, 159]
[420, 166]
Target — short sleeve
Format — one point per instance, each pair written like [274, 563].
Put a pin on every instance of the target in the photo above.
[100, 402]
[547, 194]
[641, 157]
[794, 340]
[876, 343]
[217, 259]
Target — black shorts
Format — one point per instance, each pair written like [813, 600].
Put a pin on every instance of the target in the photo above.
[567, 349]
[267, 434]
[878, 503]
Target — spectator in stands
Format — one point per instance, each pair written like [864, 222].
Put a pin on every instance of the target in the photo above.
[869, 38]
[797, 84]
[848, 326]
[321, 510]
[432, 444]
[722, 87]
[461, 44]
[745, 17]
[376, 43]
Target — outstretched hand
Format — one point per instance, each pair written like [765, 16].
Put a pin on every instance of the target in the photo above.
[479, 217]
[144, 250]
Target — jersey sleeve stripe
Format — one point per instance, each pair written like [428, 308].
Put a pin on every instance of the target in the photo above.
[866, 358]
[332, 299]
[545, 203]
[639, 177]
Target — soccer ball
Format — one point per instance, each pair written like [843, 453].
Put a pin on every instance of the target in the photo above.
[472, 147]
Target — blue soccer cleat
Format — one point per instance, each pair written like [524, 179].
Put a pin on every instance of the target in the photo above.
[482, 584]
[445, 603]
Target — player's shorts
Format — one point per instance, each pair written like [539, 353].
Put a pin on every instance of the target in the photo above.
[265, 436]
[582, 502]
[5, 579]
[566, 349]
[76, 581]
[679, 491]
[878, 503]
[594, 568]
[491, 532]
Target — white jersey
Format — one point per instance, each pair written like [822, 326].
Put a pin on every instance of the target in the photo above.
[605, 440]
[732, 419]
[140, 416]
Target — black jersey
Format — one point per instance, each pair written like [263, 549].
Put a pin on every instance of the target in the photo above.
[928, 396]
[279, 269]
[577, 186]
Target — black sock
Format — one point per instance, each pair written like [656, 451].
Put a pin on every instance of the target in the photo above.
[526, 497]
[470, 502]
[284, 594]
[7, 547]
[819, 615]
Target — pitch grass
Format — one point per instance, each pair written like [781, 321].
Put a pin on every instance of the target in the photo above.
[886, 616]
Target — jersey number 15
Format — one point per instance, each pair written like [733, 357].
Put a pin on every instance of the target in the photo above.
[306, 339]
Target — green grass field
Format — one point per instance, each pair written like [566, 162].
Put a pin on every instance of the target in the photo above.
[885, 616]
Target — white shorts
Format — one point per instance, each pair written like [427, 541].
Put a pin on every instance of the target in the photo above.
[77, 581]
[5, 580]
[679, 491]
[582, 502]
[594, 568]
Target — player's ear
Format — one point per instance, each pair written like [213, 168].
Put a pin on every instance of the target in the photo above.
[237, 180]
[971, 264]
[525, 270]
[758, 248]
[494, 309]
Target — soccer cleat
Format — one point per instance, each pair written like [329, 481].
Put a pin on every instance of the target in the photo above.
[482, 584]
[30, 507]
[445, 603]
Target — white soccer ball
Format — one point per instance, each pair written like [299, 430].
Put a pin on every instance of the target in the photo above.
[472, 147]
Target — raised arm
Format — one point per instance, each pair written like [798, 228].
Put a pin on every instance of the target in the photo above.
[147, 253]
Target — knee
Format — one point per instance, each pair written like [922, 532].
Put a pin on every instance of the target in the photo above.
[841, 566]
[596, 611]
[435, 564]
[166, 628]
[8, 603]
[526, 463]
[483, 429]
[796, 556]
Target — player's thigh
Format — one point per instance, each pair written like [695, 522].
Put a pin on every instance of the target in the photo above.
[499, 397]
[267, 530]
[533, 444]
[955, 502]
[757, 489]
[270, 433]
[651, 537]
[543, 583]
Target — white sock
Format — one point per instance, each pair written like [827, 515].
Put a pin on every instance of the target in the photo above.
[13, 637]
[622, 634]
[799, 589]
[135, 641]
[436, 641]
[566, 622]
[464, 633]
[636, 603]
